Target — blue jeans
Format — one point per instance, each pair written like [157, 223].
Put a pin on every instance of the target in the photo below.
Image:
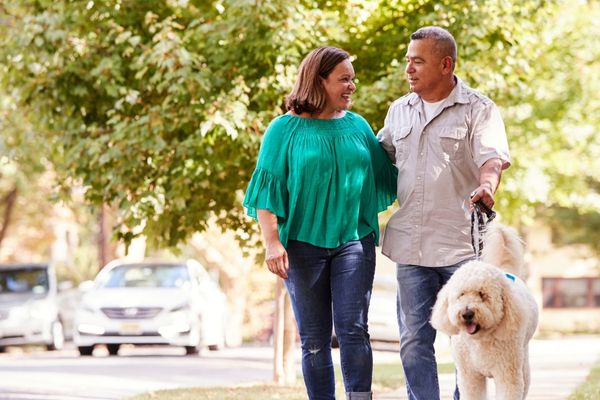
[417, 291]
[333, 286]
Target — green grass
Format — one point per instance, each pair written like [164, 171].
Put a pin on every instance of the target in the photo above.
[590, 389]
[386, 377]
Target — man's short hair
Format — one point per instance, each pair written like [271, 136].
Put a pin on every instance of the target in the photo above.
[445, 45]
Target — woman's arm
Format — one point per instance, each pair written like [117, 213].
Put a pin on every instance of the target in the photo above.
[276, 259]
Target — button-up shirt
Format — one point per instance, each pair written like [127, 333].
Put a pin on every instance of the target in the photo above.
[438, 160]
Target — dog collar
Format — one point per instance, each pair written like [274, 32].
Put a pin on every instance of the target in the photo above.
[510, 276]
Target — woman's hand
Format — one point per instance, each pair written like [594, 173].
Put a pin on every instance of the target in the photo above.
[277, 259]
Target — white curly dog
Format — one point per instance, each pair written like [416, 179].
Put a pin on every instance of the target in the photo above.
[491, 317]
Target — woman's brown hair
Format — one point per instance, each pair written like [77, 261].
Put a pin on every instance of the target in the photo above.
[308, 95]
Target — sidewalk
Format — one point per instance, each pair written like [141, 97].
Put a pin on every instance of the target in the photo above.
[558, 366]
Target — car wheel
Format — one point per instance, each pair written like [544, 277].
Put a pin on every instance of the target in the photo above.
[86, 350]
[113, 349]
[58, 337]
[192, 350]
[213, 347]
[2, 349]
[334, 342]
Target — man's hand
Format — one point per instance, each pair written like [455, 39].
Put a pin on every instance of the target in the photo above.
[485, 194]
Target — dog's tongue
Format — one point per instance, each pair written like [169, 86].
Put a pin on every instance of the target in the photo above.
[471, 328]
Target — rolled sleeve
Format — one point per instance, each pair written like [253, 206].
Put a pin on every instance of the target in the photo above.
[385, 136]
[489, 136]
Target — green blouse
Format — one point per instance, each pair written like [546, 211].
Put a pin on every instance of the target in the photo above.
[325, 179]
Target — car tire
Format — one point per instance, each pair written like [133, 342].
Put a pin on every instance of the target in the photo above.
[85, 350]
[191, 350]
[2, 349]
[113, 349]
[58, 337]
[213, 347]
[334, 342]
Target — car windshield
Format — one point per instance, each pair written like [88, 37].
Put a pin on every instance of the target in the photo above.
[148, 276]
[24, 280]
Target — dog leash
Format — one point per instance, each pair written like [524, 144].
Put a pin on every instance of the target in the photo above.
[478, 228]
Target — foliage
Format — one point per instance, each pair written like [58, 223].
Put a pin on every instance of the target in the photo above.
[590, 389]
[157, 107]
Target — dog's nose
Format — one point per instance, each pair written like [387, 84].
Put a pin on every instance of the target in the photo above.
[468, 315]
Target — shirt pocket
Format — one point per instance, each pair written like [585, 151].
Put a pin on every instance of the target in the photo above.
[453, 143]
[400, 140]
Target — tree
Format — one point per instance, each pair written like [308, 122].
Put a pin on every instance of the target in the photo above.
[157, 107]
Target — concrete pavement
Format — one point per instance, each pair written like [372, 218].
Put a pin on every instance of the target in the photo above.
[558, 366]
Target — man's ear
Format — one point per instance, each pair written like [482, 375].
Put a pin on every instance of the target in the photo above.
[447, 63]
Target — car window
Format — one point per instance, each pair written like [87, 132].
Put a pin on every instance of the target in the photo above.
[27, 280]
[149, 276]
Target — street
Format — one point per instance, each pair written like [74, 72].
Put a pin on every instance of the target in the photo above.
[558, 366]
[65, 375]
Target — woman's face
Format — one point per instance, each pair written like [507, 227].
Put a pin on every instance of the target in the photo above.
[339, 86]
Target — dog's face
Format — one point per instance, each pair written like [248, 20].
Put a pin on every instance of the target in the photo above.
[472, 301]
[476, 308]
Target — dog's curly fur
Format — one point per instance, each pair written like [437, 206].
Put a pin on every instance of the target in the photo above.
[491, 317]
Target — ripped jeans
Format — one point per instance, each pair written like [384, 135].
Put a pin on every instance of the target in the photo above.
[333, 286]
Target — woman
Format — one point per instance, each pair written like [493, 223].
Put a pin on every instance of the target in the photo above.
[320, 180]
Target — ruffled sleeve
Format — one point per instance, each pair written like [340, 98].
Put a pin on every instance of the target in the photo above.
[267, 189]
[266, 192]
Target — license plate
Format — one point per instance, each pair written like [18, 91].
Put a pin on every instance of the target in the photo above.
[130, 328]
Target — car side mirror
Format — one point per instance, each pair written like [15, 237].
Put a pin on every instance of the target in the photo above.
[86, 286]
[64, 286]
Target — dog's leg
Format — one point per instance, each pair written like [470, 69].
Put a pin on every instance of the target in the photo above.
[471, 385]
[510, 386]
[526, 372]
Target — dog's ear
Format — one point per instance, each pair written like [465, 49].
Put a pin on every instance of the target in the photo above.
[439, 314]
[509, 324]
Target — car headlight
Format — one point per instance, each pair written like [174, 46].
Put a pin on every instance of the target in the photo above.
[182, 307]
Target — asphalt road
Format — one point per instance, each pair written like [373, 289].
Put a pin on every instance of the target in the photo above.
[558, 366]
[64, 375]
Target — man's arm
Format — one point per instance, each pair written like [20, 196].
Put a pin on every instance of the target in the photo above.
[385, 137]
[489, 179]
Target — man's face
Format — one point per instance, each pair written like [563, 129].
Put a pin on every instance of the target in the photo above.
[423, 67]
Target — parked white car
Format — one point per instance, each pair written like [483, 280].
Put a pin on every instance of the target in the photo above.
[383, 323]
[151, 303]
[29, 311]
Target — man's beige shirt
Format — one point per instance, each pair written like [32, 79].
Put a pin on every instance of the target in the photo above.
[438, 162]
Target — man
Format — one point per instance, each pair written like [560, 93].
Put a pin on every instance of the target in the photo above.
[450, 147]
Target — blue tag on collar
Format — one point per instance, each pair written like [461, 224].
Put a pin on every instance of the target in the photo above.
[510, 276]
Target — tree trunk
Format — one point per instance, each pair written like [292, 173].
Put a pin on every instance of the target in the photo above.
[9, 204]
[106, 249]
[284, 338]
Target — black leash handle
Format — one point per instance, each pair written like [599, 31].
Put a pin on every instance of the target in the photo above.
[477, 228]
[482, 208]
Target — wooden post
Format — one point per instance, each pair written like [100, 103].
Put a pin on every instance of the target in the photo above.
[284, 338]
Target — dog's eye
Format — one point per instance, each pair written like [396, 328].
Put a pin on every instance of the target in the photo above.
[483, 296]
